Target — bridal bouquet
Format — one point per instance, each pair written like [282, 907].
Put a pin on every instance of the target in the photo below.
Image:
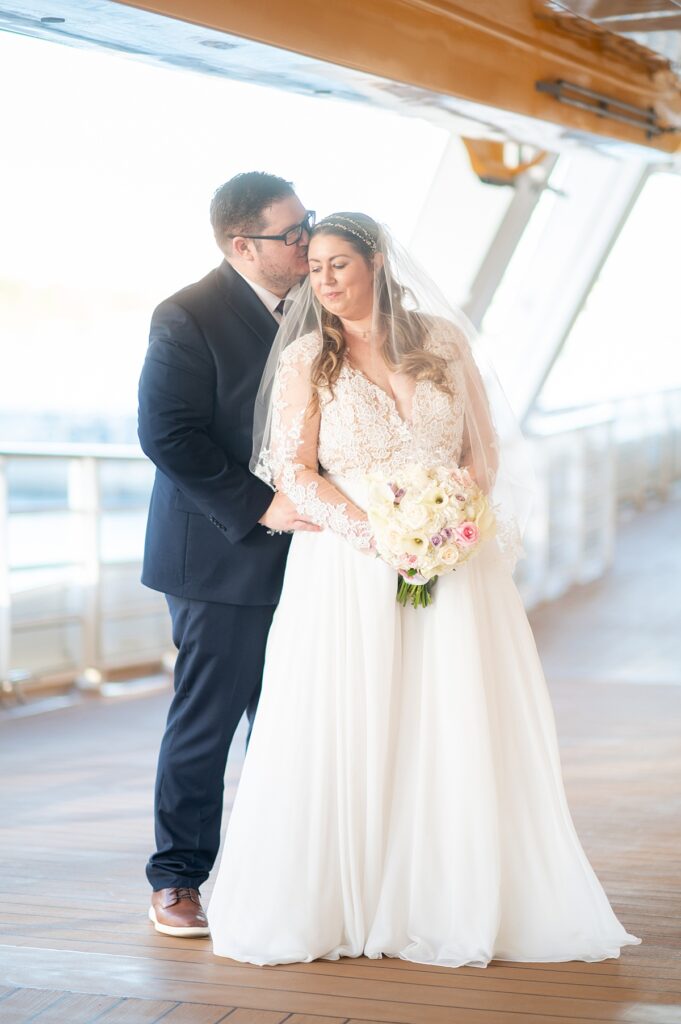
[427, 522]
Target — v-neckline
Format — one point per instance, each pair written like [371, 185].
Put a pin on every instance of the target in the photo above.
[409, 423]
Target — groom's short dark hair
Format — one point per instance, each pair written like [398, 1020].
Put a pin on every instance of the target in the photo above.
[238, 205]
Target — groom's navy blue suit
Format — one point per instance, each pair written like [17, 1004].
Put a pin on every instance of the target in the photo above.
[221, 572]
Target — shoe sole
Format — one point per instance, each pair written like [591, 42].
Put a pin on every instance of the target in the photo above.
[182, 933]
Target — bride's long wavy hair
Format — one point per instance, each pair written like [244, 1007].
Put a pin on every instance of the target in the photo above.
[404, 331]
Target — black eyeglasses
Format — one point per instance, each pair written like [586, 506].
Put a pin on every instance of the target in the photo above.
[290, 237]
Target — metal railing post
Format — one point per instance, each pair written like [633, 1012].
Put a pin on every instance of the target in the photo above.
[5, 604]
[84, 500]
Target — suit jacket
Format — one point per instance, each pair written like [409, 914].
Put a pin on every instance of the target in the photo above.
[207, 350]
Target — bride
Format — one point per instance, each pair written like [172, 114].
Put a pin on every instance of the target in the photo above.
[402, 791]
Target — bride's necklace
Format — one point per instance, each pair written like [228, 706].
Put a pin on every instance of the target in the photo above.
[363, 335]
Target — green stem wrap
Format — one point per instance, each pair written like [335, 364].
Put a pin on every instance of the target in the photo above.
[417, 594]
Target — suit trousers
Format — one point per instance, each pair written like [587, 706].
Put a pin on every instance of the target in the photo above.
[218, 673]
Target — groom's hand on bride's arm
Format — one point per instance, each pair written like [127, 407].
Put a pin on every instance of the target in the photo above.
[282, 515]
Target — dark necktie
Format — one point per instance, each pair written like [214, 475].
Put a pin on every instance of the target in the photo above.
[279, 308]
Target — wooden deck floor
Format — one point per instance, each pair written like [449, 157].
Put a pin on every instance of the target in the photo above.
[75, 830]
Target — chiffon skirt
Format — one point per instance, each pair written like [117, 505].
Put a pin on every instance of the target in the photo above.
[402, 791]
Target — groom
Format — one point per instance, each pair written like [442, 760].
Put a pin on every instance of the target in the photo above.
[208, 546]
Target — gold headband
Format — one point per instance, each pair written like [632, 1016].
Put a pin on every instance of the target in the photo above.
[358, 230]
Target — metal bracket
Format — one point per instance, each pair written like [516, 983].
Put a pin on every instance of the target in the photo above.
[609, 107]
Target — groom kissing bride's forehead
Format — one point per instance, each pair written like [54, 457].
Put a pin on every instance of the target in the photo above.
[205, 548]
[263, 229]
[405, 759]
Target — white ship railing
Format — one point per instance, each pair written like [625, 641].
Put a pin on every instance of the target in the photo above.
[592, 464]
[72, 523]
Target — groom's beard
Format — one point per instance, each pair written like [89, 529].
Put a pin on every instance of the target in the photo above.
[282, 279]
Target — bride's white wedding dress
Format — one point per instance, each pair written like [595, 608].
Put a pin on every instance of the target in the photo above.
[402, 791]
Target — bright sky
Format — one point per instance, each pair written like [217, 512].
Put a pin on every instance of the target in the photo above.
[107, 172]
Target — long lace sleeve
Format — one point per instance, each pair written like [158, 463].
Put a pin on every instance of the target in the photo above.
[291, 458]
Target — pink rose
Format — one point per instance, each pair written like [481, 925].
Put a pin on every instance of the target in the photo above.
[467, 534]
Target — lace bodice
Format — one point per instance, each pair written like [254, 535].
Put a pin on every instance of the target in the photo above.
[353, 430]
[361, 429]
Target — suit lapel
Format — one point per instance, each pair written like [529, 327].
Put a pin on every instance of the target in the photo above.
[245, 303]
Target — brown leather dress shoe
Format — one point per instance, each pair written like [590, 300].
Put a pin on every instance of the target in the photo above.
[178, 912]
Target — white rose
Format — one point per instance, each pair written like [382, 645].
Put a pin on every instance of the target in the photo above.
[449, 555]
[414, 515]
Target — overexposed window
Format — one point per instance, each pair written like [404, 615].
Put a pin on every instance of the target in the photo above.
[626, 340]
[589, 195]
[458, 223]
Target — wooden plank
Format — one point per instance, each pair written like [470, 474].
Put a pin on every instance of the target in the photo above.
[245, 1016]
[306, 1018]
[137, 1011]
[75, 1008]
[621, 977]
[197, 1013]
[24, 1003]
